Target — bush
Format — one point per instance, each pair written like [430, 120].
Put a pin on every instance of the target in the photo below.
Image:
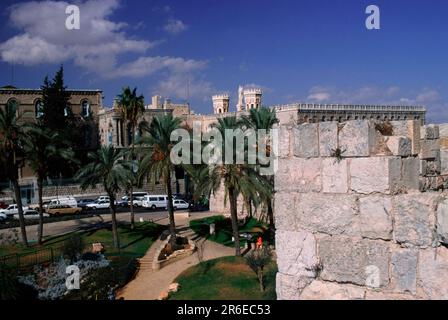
[73, 247]
[257, 260]
[90, 256]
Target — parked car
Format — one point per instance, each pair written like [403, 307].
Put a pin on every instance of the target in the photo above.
[35, 206]
[62, 209]
[200, 205]
[180, 204]
[98, 204]
[70, 201]
[137, 201]
[2, 217]
[30, 214]
[103, 198]
[154, 201]
[11, 210]
[123, 202]
[84, 202]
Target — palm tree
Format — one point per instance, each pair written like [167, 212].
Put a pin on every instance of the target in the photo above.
[263, 119]
[42, 147]
[109, 168]
[237, 179]
[131, 108]
[11, 141]
[156, 163]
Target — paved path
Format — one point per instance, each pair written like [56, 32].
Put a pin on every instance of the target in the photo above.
[149, 283]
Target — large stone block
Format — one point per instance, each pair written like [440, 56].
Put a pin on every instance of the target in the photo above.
[430, 167]
[297, 174]
[410, 170]
[404, 270]
[357, 138]
[430, 149]
[399, 146]
[287, 210]
[442, 221]
[411, 129]
[375, 217]
[328, 138]
[334, 175]
[306, 142]
[350, 260]
[415, 218]
[429, 131]
[328, 213]
[433, 273]
[296, 253]
[375, 174]
[444, 162]
[289, 287]
[320, 290]
[284, 141]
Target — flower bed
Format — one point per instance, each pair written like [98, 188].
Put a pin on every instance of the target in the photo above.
[169, 253]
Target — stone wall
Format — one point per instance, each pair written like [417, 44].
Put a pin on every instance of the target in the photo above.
[360, 211]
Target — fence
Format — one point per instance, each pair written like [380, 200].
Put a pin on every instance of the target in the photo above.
[20, 262]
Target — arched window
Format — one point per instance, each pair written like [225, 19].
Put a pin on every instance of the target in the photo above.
[13, 101]
[85, 109]
[38, 109]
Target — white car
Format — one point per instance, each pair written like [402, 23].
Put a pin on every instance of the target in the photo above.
[137, 202]
[12, 210]
[103, 198]
[30, 214]
[98, 204]
[180, 204]
[154, 201]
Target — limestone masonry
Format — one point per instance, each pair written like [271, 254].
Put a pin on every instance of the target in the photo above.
[361, 211]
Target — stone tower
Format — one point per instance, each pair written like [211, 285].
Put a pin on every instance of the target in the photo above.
[252, 98]
[220, 103]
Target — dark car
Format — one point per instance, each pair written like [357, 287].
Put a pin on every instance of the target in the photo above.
[3, 205]
[199, 206]
[83, 202]
[123, 202]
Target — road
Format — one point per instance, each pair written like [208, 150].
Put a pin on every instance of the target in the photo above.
[61, 227]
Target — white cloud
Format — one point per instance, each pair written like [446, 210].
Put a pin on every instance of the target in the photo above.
[98, 47]
[174, 26]
[146, 66]
[179, 85]
[43, 37]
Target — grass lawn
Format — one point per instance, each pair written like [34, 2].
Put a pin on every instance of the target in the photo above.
[228, 278]
[223, 229]
[133, 243]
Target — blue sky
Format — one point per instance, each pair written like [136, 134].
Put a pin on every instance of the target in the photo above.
[297, 51]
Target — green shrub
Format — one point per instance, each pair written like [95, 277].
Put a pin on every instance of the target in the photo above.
[257, 260]
[73, 247]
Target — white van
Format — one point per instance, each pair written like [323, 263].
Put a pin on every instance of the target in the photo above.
[69, 201]
[155, 201]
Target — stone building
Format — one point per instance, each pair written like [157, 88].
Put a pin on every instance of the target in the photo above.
[85, 105]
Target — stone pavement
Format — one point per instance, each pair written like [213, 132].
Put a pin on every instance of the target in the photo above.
[149, 283]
